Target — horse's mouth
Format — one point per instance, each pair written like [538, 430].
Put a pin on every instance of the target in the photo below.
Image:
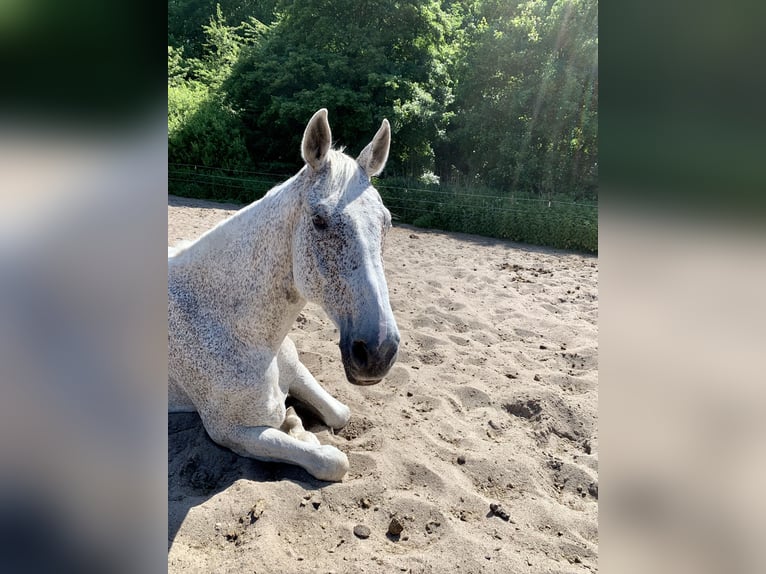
[363, 382]
[359, 380]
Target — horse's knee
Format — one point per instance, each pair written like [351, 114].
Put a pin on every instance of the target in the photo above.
[287, 350]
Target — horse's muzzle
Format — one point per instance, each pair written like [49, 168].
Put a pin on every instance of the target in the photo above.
[366, 363]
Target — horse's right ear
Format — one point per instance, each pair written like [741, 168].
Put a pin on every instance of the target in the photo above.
[316, 140]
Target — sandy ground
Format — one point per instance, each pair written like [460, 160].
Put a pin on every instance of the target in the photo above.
[493, 400]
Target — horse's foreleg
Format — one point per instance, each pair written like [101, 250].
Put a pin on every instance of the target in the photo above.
[325, 462]
[304, 387]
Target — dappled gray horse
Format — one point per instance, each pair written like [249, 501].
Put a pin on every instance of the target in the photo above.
[234, 294]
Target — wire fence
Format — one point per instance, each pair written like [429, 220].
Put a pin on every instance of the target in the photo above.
[555, 222]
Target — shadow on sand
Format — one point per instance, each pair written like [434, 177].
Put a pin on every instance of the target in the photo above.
[198, 469]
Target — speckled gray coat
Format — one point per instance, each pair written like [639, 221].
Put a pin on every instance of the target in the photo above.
[234, 294]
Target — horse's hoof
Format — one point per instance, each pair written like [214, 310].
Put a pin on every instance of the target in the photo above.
[332, 464]
[339, 418]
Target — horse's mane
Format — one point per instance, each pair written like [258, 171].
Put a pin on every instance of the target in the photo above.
[343, 169]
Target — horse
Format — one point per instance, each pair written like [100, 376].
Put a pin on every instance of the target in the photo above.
[234, 294]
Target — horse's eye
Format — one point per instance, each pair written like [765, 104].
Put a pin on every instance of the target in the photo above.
[319, 222]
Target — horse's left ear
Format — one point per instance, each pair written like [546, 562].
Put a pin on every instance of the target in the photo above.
[373, 158]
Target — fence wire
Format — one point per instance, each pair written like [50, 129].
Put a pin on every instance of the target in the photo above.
[555, 222]
[198, 171]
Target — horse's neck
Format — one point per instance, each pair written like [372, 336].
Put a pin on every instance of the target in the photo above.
[245, 264]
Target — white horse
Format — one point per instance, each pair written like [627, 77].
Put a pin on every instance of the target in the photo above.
[234, 294]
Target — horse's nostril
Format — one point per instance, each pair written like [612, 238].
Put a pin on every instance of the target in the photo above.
[359, 352]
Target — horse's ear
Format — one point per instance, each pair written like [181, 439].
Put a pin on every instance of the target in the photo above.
[373, 158]
[316, 140]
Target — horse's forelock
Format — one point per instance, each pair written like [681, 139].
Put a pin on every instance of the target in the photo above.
[340, 175]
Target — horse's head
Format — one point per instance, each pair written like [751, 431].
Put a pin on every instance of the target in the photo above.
[338, 241]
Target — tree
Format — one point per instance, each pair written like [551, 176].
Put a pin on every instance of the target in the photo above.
[363, 60]
[499, 93]
[187, 19]
[203, 129]
[527, 96]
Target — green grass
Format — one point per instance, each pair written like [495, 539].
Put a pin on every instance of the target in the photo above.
[559, 222]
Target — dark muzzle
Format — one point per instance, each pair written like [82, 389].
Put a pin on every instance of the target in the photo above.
[366, 363]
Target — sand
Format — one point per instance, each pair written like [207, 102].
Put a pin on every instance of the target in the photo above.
[493, 401]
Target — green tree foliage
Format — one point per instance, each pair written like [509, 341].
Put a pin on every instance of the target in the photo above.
[203, 130]
[363, 60]
[527, 96]
[497, 97]
[187, 19]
